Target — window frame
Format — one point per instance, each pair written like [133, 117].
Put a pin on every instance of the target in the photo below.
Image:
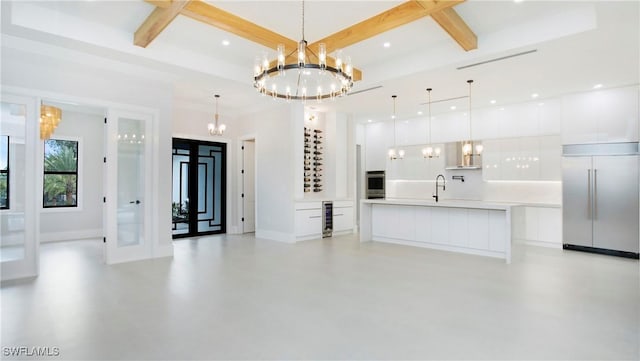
[8, 173]
[78, 173]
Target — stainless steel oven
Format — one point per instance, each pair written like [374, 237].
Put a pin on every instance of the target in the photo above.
[375, 184]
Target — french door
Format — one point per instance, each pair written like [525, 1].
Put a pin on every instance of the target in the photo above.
[128, 177]
[199, 188]
[19, 180]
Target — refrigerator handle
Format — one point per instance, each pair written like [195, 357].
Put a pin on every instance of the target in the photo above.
[595, 194]
[589, 193]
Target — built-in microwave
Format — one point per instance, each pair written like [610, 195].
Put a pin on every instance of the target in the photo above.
[375, 184]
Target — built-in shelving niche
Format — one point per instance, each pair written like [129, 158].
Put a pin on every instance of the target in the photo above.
[313, 160]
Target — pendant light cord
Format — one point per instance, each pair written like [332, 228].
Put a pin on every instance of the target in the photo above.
[394, 120]
[429, 92]
[470, 133]
[217, 96]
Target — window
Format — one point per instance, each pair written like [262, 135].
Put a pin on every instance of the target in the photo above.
[4, 172]
[60, 173]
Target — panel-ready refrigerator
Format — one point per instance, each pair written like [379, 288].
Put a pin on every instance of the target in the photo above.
[600, 198]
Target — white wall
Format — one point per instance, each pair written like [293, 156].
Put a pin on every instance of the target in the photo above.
[40, 75]
[277, 132]
[85, 221]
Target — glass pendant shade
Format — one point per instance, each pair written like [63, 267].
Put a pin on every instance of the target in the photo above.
[215, 128]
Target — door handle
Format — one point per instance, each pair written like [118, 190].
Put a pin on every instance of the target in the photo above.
[589, 192]
[595, 194]
[135, 202]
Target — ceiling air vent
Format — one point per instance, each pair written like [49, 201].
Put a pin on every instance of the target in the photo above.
[498, 59]
[364, 90]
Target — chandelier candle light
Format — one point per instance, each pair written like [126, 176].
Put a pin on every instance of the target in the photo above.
[216, 128]
[50, 117]
[308, 77]
[467, 146]
[429, 151]
[392, 151]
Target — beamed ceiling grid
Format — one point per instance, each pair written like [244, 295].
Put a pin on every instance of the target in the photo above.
[441, 11]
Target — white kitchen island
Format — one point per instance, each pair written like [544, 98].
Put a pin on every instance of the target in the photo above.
[472, 227]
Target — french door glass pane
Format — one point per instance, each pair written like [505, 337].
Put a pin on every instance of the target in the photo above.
[12, 185]
[130, 182]
[180, 202]
[209, 188]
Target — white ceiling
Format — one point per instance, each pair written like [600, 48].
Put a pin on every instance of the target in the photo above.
[578, 45]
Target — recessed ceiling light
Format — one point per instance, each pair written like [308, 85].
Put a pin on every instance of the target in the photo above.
[534, 95]
[225, 42]
[387, 44]
[540, 104]
[453, 107]
[597, 86]
[492, 101]
[369, 120]
[419, 113]
[518, 1]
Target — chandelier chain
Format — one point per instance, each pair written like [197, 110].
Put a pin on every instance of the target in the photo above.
[303, 20]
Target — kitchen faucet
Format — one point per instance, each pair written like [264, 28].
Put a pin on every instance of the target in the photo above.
[437, 185]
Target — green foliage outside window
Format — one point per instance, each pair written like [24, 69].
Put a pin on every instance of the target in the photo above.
[60, 173]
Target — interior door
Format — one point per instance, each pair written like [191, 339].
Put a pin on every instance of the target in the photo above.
[248, 186]
[577, 212]
[128, 173]
[615, 197]
[19, 177]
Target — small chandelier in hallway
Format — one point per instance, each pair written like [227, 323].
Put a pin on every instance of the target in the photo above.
[216, 128]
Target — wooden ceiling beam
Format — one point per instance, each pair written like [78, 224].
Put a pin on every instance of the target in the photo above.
[160, 3]
[209, 14]
[452, 23]
[156, 22]
[400, 15]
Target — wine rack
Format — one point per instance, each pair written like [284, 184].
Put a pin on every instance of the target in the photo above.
[312, 160]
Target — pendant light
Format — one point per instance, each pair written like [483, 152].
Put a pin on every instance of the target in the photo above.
[429, 151]
[392, 152]
[216, 128]
[467, 146]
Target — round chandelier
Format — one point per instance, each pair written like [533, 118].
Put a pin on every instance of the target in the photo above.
[303, 74]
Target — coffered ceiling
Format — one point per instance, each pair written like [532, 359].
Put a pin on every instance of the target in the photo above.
[577, 44]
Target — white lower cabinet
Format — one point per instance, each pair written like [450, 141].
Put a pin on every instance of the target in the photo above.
[467, 230]
[342, 219]
[478, 228]
[538, 225]
[308, 220]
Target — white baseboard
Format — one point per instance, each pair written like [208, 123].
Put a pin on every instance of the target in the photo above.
[540, 243]
[70, 235]
[163, 251]
[275, 236]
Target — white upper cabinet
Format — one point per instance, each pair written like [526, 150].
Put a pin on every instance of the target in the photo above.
[524, 158]
[605, 116]
[412, 131]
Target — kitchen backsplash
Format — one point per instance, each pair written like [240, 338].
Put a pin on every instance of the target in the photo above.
[475, 188]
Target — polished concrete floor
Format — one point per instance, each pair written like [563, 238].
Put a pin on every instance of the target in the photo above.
[237, 297]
